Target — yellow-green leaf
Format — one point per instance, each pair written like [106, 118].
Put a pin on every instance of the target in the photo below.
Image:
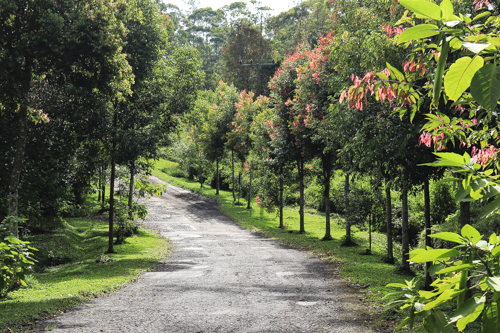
[449, 236]
[423, 9]
[471, 234]
[433, 255]
[418, 32]
[459, 76]
[446, 10]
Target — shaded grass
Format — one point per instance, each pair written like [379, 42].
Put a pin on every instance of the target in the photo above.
[369, 273]
[82, 242]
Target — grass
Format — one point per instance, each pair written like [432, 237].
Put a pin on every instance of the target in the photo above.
[88, 272]
[367, 272]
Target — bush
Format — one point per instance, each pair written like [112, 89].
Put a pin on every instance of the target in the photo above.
[15, 259]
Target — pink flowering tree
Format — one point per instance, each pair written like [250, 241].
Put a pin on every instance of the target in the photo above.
[288, 135]
[310, 107]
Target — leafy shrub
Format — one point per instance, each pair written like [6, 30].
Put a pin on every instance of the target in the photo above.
[471, 266]
[15, 259]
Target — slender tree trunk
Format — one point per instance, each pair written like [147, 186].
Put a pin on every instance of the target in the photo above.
[300, 164]
[112, 188]
[348, 238]
[464, 213]
[239, 185]
[217, 186]
[22, 135]
[250, 189]
[103, 182]
[327, 173]
[370, 223]
[428, 241]
[388, 221]
[99, 178]
[281, 199]
[111, 204]
[131, 191]
[405, 229]
[232, 167]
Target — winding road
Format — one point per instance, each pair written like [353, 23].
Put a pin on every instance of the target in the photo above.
[220, 278]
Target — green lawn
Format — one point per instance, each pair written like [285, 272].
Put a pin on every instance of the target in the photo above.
[366, 271]
[81, 243]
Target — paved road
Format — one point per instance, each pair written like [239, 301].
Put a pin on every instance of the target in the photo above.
[220, 278]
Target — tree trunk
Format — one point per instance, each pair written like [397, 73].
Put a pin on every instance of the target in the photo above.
[370, 223]
[99, 185]
[405, 229]
[300, 164]
[464, 213]
[327, 173]
[388, 221]
[217, 186]
[22, 135]
[112, 188]
[428, 241]
[348, 238]
[281, 199]
[239, 184]
[103, 198]
[131, 191]
[250, 189]
[232, 167]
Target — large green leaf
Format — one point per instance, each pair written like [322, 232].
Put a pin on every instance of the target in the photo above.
[468, 312]
[449, 236]
[485, 86]
[446, 10]
[423, 9]
[418, 32]
[437, 323]
[471, 234]
[459, 76]
[491, 322]
[443, 298]
[432, 255]
[457, 268]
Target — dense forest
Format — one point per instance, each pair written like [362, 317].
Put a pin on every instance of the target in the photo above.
[338, 106]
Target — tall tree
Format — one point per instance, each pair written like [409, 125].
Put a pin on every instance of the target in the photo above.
[245, 43]
[63, 40]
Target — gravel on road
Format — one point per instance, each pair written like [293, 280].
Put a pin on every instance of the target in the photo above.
[220, 278]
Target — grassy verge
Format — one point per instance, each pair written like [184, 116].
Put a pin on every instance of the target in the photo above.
[88, 272]
[367, 272]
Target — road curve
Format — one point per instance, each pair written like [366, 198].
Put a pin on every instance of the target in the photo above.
[220, 278]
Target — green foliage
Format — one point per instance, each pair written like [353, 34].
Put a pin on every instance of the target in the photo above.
[15, 258]
[442, 202]
[470, 266]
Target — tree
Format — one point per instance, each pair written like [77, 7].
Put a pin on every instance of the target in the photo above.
[62, 40]
[287, 145]
[247, 44]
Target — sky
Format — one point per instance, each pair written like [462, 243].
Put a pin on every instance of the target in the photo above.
[277, 5]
